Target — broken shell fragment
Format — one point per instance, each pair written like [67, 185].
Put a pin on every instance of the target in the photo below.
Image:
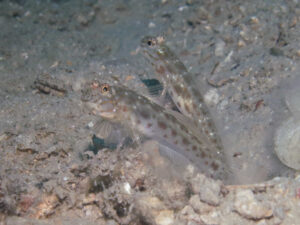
[287, 143]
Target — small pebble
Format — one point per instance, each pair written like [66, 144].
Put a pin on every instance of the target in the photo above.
[199, 206]
[91, 124]
[165, 217]
[127, 188]
[212, 97]
[247, 206]
[208, 189]
[211, 218]
[219, 51]
[187, 213]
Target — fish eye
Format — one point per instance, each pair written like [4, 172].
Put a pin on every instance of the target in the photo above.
[151, 41]
[104, 88]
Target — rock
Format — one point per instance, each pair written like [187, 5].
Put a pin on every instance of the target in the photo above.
[212, 97]
[175, 191]
[47, 206]
[189, 215]
[247, 206]
[165, 217]
[262, 222]
[208, 189]
[199, 206]
[149, 202]
[154, 211]
[111, 222]
[211, 218]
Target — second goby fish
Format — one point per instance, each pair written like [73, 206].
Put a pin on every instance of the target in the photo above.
[181, 86]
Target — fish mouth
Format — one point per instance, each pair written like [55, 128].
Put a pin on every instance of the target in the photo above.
[150, 56]
[104, 109]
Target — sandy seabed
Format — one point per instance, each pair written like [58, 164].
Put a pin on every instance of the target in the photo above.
[245, 56]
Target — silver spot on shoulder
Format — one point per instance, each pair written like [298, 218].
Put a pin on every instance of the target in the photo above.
[160, 51]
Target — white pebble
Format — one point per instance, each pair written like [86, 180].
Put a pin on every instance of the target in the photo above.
[127, 188]
[212, 97]
[219, 51]
[91, 124]
[151, 25]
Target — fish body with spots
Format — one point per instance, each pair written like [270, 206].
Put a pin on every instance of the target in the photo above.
[181, 86]
[144, 117]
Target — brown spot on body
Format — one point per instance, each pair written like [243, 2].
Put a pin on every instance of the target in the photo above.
[210, 124]
[174, 133]
[194, 148]
[145, 114]
[199, 142]
[162, 125]
[138, 121]
[214, 140]
[203, 154]
[194, 138]
[178, 90]
[160, 70]
[167, 116]
[165, 136]
[183, 128]
[149, 125]
[185, 141]
[175, 142]
[215, 166]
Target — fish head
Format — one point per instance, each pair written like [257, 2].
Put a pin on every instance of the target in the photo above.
[160, 56]
[101, 98]
[154, 48]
